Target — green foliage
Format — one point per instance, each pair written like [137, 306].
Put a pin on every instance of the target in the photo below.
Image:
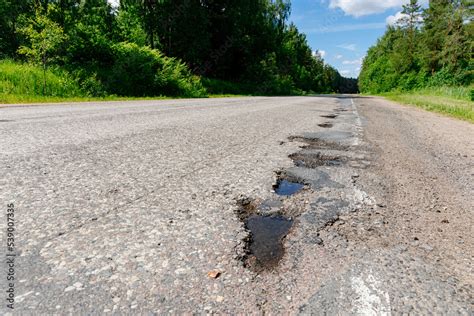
[152, 48]
[142, 71]
[218, 86]
[44, 38]
[241, 41]
[130, 25]
[10, 11]
[91, 36]
[27, 80]
[415, 54]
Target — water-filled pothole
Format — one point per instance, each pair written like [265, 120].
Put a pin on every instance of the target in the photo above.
[285, 187]
[326, 125]
[313, 160]
[266, 241]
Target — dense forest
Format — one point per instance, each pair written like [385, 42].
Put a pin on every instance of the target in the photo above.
[162, 47]
[427, 47]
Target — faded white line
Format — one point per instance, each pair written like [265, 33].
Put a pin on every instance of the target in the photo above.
[371, 299]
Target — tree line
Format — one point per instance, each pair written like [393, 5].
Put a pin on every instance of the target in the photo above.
[170, 47]
[429, 46]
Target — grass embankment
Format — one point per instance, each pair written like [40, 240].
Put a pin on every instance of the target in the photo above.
[21, 83]
[453, 101]
[26, 83]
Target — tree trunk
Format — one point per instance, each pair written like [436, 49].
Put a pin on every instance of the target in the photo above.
[44, 75]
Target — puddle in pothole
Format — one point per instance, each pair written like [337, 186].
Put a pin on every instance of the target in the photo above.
[266, 243]
[285, 187]
[325, 125]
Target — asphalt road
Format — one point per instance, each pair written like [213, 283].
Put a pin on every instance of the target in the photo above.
[124, 207]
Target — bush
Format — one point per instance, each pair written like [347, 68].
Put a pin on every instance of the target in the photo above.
[90, 83]
[141, 71]
[217, 86]
[174, 78]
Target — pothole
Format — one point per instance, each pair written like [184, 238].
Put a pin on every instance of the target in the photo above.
[264, 245]
[266, 242]
[313, 160]
[329, 116]
[286, 188]
[317, 143]
[326, 125]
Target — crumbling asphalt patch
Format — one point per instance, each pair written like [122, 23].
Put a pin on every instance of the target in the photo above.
[317, 143]
[265, 221]
[313, 160]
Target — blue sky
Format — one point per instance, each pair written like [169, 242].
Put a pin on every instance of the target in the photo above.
[343, 30]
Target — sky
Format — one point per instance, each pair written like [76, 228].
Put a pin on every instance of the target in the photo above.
[343, 30]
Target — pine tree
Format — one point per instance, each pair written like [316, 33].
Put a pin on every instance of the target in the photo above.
[434, 33]
[457, 47]
[411, 21]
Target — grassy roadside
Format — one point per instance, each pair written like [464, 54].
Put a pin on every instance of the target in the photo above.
[29, 99]
[452, 101]
[22, 83]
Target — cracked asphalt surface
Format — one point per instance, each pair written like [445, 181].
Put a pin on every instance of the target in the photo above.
[126, 206]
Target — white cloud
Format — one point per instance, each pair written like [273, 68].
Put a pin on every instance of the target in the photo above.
[351, 47]
[393, 19]
[359, 8]
[345, 72]
[320, 53]
[114, 3]
[353, 62]
[338, 56]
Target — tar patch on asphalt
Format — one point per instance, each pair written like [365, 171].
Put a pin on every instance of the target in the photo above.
[314, 160]
[329, 116]
[326, 125]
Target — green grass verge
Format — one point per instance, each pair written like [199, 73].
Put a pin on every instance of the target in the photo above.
[26, 99]
[451, 101]
[29, 99]
[30, 81]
